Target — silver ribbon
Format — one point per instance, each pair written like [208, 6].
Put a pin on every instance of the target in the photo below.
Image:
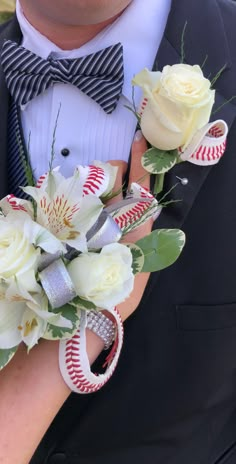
[47, 258]
[106, 230]
[57, 284]
[103, 232]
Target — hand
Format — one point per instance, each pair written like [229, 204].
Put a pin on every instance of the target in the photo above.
[137, 173]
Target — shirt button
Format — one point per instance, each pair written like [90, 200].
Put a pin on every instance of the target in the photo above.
[57, 458]
[65, 152]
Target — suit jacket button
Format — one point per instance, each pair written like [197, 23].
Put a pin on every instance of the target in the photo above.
[57, 458]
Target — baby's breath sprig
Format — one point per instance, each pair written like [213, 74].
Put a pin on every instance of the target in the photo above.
[25, 160]
[54, 140]
[183, 43]
[217, 76]
[223, 104]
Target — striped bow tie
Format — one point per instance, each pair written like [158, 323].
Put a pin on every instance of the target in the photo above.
[99, 75]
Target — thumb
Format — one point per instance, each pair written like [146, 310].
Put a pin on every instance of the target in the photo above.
[137, 172]
[122, 168]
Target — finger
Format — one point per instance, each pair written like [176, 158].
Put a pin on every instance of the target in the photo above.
[137, 172]
[118, 186]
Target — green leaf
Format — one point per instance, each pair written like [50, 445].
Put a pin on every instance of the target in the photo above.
[6, 356]
[138, 258]
[161, 248]
[68, 311]
[158, 161]
[58, 333]
[55, 333]
[83, 304]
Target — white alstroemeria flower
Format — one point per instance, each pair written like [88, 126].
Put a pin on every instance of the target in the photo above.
[24, 317]
[21, 286]
[63, 210]
[11, 314]
[31, 328]
[42, 237]
[3, 289]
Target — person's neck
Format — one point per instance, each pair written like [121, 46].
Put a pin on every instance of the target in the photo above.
[68, 37]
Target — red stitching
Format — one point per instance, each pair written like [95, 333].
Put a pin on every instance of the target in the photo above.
[74, 368]
[94, 180]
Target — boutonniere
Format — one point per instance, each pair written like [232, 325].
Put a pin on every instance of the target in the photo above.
[174, 118]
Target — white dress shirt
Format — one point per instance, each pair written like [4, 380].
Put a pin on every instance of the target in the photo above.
[83, 127]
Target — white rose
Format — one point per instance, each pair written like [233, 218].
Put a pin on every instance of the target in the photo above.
[18, 257]
[106, 278]
[179, 102]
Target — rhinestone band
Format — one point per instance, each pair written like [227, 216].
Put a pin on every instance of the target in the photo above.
[101, 326]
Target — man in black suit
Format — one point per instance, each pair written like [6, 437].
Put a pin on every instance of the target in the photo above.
[172, 399]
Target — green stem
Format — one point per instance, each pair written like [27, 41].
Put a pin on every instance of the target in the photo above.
[159, 182]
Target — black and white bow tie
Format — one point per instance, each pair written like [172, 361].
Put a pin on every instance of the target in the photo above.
[99, 75]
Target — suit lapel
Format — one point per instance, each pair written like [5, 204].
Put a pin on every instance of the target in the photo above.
[197, 16]
[11, 31]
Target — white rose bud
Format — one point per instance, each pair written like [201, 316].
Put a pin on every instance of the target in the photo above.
[106, 278]
[179, 103]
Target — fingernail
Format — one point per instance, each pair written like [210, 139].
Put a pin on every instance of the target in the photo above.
[138, 136]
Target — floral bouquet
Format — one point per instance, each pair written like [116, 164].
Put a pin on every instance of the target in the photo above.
[174, 118]
[61, 253]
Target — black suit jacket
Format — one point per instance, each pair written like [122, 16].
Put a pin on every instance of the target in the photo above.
[172, 399]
